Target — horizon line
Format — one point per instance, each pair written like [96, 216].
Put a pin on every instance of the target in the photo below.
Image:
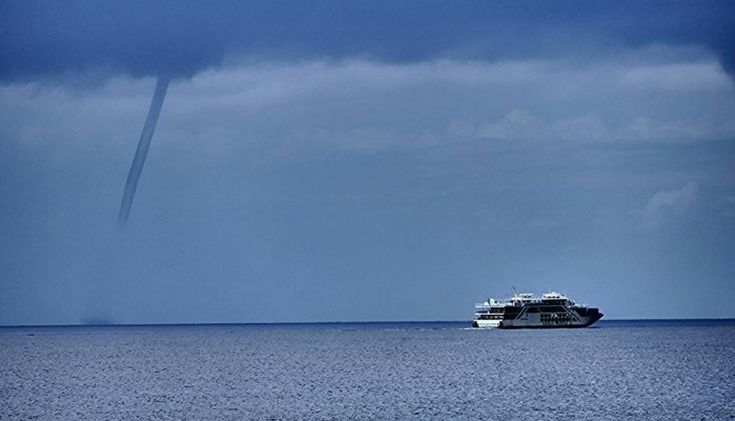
[2, 326]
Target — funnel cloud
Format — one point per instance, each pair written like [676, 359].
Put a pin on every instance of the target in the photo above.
[136, 168]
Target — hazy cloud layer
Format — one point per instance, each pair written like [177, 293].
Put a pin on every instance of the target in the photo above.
[368, 105]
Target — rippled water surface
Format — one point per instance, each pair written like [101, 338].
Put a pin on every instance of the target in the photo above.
[616, 370]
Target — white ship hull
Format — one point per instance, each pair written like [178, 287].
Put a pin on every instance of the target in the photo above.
[533, 321]
[487, 323]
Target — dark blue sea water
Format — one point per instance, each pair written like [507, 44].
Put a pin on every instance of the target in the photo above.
[683, 370]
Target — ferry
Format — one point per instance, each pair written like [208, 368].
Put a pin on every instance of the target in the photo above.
[551, 310]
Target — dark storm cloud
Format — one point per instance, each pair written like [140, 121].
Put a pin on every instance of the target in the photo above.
[49, 39]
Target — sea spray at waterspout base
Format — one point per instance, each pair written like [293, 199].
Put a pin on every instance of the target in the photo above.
[142, 151]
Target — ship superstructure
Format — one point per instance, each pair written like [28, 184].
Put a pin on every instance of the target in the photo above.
[527, 311]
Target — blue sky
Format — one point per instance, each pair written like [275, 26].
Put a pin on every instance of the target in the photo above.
[335, 161]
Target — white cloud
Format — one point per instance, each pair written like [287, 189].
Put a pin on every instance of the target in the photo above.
[677, 77]
[370, 105]
[517, 124]
[676, 200]
[521, 124]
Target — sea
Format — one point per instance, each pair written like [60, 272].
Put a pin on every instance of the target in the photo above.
[615, 370]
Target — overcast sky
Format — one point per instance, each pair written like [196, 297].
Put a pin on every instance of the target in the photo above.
[342, 161]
